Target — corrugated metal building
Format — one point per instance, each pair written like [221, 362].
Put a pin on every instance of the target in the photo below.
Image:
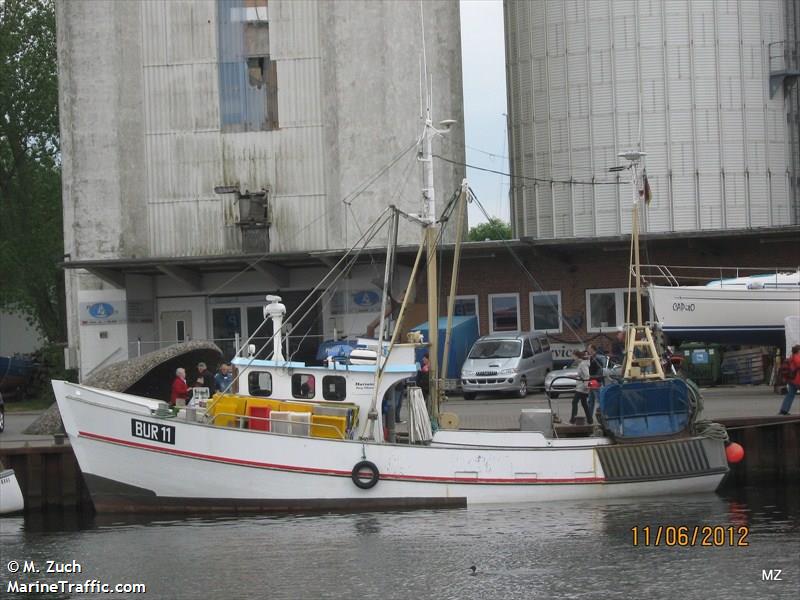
[215, 129]
[694, 76]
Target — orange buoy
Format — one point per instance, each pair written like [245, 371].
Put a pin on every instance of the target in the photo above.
[734, 453]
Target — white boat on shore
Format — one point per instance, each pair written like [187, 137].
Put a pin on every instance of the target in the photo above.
[742, 309]
[11, 499]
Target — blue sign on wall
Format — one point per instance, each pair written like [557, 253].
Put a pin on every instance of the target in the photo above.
[100, 310]
[103, 313]
[365, 299]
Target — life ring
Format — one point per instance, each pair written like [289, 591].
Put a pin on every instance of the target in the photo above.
[355, 475]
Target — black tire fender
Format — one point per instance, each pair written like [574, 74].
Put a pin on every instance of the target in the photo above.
[365, 465]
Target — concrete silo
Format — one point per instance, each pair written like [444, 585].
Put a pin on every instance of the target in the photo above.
[584, 74]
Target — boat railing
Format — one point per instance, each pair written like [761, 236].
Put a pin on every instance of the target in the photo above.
[675, 276]
[242, 420]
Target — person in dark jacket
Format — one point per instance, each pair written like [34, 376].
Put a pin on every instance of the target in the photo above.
[595, 377]
[424, 374]
[205, 378]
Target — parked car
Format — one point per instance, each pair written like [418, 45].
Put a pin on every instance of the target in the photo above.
[503, 362]
[562, 381]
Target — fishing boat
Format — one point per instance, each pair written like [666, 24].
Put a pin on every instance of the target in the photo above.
[11, 500]
[749, 309]
[292, 436]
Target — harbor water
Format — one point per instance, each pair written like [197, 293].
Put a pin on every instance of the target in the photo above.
[555, 550]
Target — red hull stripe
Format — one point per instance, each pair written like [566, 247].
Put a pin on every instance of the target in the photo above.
[334, 472]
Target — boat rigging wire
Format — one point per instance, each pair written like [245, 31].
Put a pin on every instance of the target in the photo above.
[340, 273]
[522, 266]
[382, 219]
[527, 178]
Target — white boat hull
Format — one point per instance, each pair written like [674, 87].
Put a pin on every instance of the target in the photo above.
[194, 466]
[720, 314]
[11, 499]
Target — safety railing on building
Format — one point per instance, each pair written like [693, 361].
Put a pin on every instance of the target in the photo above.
[784, 64]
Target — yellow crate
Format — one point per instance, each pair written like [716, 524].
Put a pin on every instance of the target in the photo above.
[323, 426]
[228, 406]
[296, 407]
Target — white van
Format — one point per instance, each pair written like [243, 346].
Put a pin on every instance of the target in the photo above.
[504, 362]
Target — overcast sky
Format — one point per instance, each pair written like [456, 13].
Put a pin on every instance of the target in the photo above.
[483, 53]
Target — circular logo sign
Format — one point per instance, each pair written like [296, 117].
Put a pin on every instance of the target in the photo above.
[101, 310]
[366, 298]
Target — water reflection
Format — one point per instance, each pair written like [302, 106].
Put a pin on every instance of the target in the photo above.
[554, 550]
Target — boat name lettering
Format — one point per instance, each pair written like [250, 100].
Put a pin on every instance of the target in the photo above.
[681, 307]
[153, 431]
[360, 385]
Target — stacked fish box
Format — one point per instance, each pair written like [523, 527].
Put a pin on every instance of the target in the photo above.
[746, 365]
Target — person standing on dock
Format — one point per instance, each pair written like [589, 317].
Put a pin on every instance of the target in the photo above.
[581, 388]
[618, 346]
[595, 378]
[793, 380]
[180, 390]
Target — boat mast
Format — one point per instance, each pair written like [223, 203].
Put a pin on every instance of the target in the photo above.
[633, 364]
[431, 227]
[431, 233]
[451, 299]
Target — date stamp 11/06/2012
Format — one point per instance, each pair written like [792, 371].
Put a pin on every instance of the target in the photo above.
[690, 536]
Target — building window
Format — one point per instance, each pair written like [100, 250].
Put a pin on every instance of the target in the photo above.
[259, 383]
[466, 306]
[303, 386]
[504, 312]
[248, 86]
[546, 311]
[607, 309]
[334, 387]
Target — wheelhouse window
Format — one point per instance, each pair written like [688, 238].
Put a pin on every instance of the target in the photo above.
[303, 386]
[334, 387]
[504, 312]
[260, 383]
[546, 311]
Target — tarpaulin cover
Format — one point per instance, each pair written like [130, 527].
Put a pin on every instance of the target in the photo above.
[640, 409]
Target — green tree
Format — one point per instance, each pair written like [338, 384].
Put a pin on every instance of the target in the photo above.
[31, 232]
[494, 229]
